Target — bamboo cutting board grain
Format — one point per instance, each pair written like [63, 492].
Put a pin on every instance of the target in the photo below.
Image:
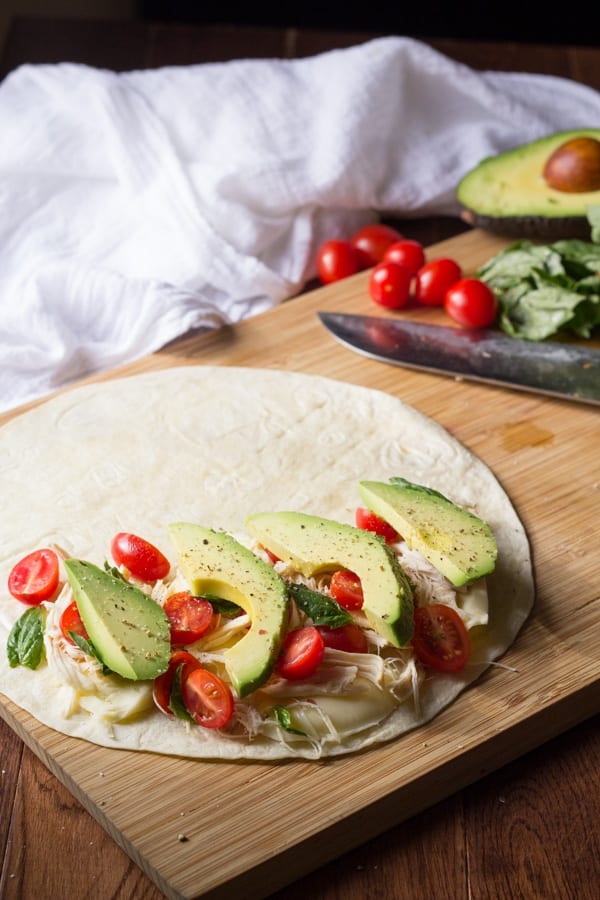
[229, 829]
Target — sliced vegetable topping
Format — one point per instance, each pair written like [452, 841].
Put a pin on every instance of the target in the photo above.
[440, 639]
[190, 617]
[35, 577]
[346, 589]
[163, 685]
[207, 698]
[301, 655]
[350, 638]
[143, 559]
[368, 520]
[71, 624]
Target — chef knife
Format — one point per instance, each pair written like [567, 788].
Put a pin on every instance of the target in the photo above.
[565, 370]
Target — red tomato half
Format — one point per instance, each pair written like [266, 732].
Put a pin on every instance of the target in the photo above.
[350, 638]
[71, 623]
[389, 285]
[143, 559]
[345, 587]
[337, 259]
[207, 698]
[408, 253]
[471, 303]
[434, 279]
[440, 638]
[164, 683]
[370, 521]
[373, 240]
[190, 617]
[35, 577]
[301, 654]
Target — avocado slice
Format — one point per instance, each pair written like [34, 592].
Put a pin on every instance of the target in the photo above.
[508, 193]
[128, 630]
[215, 564]
[313, 545]
[459, 544]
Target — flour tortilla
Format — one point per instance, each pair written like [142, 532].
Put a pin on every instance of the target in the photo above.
[212, 445]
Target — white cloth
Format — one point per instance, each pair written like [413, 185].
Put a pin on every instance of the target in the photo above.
[137, 206]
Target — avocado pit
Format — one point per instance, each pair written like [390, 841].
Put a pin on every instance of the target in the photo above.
[574, 167]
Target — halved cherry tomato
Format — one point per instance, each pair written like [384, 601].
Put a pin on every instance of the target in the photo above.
[337, 259]
[207, 698]
[434, 279]
[272, 558]
[370, 521]
[350, 638]
[163, 685]
[440, 638]
[301, 653]
[345, 587]
[190, 617]
[72, 623]
[35, 577]
[471, 303]
[143, 559]
[373, 240]
[389, 285]
[408, 253]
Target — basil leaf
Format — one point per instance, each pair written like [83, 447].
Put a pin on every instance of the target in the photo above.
[176, 704]
[25, 644]
[227, 608]
[284, 720]
[114, 571]
[89, 648]
[321, 609]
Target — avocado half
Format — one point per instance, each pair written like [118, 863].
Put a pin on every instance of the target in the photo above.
[507, 194]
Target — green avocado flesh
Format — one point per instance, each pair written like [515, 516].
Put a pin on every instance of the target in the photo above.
[507, 193]
[128, 630]
[217, 565]
[313, 545]
[459, 544]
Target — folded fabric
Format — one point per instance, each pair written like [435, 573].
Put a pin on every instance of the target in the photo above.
[137, 206]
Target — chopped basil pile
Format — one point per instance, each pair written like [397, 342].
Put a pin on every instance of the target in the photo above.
[544, 289]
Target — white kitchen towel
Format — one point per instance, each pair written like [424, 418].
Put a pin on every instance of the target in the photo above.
[137, 206]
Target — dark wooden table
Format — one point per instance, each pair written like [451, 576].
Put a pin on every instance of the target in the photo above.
[529, 830]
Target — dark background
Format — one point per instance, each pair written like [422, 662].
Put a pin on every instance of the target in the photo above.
[525, 22]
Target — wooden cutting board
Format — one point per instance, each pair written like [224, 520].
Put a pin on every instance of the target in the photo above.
[228, 829]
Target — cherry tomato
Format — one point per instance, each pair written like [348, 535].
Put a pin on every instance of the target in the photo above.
[35, 577]
[389, 285]
[470, 302]
[190, 617]
[434, 279]
[143, 559]
[207, 698]
[301, 653]
[337, 259]
[345, 587]
[408, 253]
[350, 638]
[368, 520]
[373, 240]
[71, 623]
[163, 685]
[440, 638]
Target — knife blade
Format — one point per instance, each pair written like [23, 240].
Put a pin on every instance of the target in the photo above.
[569, 371]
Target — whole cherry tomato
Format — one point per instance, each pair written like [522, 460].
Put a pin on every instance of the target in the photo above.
[472, 303]
[434, 279]
[373, 240]
[389, 285]
[408, 253]
[337, 259]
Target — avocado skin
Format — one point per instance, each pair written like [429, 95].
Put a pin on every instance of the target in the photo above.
[529, 208]
[128, 630]
[313, 545]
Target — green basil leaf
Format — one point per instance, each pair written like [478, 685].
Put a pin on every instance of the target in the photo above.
[284, 719]
[321, 609]
[176, 704]
[89, 648]
[227, 608]
[25, 644]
